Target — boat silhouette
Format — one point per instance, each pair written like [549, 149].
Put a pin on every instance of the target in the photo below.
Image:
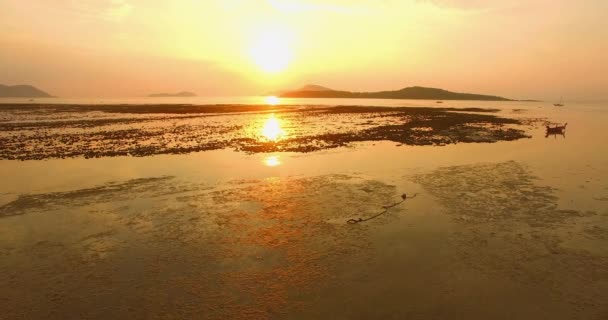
[556, 130]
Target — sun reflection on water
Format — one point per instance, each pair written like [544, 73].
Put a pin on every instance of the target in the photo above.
[272, 161]
[272, 129]
[272, 100]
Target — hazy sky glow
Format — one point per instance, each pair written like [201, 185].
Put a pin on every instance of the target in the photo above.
[521, 49]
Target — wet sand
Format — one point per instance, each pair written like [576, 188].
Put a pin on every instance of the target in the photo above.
[503, 230]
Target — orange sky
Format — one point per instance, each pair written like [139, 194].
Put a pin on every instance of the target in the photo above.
[120, 48]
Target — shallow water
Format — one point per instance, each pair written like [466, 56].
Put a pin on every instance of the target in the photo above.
[513, 229]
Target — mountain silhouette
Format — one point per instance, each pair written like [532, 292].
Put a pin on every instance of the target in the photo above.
[22, 91]
[313, 91]
[314, 87]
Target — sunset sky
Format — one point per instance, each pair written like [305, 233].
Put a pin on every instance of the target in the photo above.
[537, 49]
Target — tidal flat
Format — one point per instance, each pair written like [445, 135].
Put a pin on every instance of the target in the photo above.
[240, 212]
[35, 132]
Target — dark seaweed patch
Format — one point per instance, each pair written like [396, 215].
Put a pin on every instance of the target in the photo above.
[63, 131]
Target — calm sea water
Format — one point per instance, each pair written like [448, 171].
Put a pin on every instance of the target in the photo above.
[233, 229]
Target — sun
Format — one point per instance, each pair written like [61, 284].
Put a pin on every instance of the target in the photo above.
[271, 51]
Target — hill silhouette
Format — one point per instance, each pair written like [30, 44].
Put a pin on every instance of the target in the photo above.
[405, 93]
[22, 91]
[314, 87]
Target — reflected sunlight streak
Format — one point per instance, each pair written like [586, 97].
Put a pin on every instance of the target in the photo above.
[272, 129]
[272, 161]
[272, 100]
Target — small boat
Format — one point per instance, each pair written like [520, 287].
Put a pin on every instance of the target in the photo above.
[560, 104]
[556, 130]
[439, 101]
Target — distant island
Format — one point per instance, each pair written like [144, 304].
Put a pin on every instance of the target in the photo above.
[166, 95]
[316, 91]
[22, 91]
